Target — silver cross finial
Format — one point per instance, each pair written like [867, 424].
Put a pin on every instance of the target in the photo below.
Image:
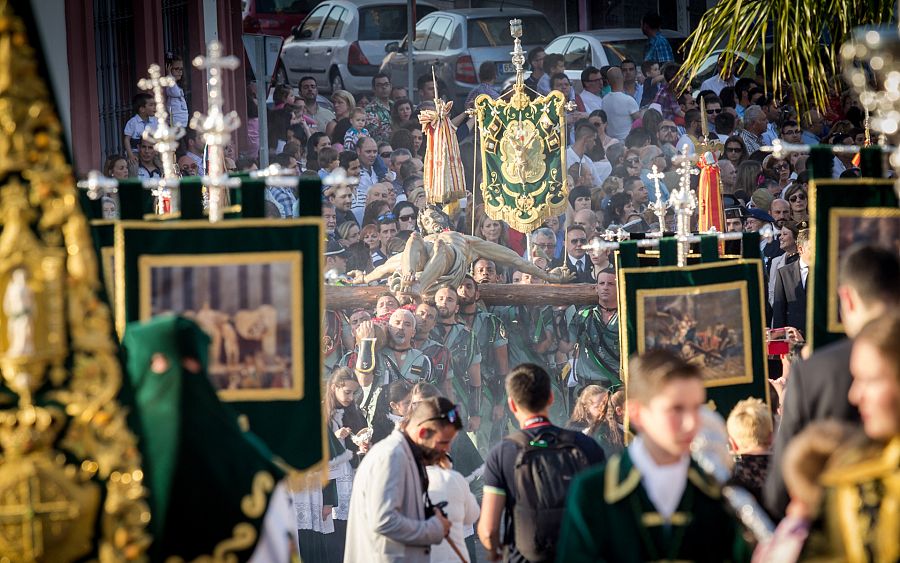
[97, 185]
[216, 126]
[164, 136]
[660, 205]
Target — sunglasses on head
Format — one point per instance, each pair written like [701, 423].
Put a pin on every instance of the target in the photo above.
[452, 416]
[387, 217]
[797, 197]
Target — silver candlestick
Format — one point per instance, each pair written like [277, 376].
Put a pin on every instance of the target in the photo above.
[659, 206]
[216, 127]
[684, 202]
[164, 138]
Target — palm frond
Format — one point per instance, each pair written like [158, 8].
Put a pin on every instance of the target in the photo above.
[806, 36]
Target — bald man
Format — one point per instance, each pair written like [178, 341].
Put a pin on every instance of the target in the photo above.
[621, 109]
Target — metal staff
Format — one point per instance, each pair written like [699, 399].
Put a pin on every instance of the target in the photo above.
[165, 140]
[216, 126]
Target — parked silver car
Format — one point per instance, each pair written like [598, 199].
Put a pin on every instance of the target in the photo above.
[341, 42]
[602, 47]
[457, 42]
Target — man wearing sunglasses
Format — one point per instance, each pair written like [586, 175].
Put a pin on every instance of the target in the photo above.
[390, 514]
[575, 260]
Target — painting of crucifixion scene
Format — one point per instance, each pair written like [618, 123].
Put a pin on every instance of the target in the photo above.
[707, 326]
[246, 308]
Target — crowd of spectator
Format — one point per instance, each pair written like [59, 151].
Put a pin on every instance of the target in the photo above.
[631, 118]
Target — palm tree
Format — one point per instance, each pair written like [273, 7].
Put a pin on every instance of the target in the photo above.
[803, 37]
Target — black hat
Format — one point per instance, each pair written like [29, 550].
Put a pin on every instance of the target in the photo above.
[759, 214]
[333, 248]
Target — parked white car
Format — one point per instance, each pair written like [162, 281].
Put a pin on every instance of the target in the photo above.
[341, 42]
[602, 47]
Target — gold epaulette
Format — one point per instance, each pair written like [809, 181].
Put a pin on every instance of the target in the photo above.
[863, 462]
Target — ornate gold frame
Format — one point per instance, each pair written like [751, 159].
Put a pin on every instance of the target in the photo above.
[642, 294]
[835, 215]
[623, 310]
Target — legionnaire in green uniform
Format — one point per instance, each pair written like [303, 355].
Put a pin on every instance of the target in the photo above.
[652, 502]
[337, 338]
[490, 333]
[426, 318]
[376, 367]
[531, 340]
[465, 356]
[594, 338]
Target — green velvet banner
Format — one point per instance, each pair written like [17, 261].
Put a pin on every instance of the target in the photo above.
[255, 286]
[710, 314]
[523, 148]
[843, 213]
[134, 202]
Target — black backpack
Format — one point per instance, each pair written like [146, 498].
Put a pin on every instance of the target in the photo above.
[545, 467]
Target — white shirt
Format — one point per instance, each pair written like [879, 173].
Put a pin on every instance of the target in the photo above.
[685, 140]
[575, 262]
[592, 102]
[599, 170]
[462, 511]
[804, 272]
[837, 168]
[715, 83]
[664, 484]
[619, 107]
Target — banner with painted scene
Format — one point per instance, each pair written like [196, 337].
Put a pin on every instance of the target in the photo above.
[844, 213]
[712, 315]
[255, 289]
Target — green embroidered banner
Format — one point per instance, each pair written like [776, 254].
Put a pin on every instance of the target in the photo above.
[523, 158]
[709, 314]
[843, 213]
[255, 288]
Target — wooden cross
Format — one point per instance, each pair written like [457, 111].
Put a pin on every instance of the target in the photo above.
[31, 512]
[216, 126]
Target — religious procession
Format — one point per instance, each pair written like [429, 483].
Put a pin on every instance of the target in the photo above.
[422, 281]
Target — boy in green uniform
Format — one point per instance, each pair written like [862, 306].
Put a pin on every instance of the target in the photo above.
[652, 502]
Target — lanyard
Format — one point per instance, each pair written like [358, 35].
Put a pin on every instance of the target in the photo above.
[535, 421]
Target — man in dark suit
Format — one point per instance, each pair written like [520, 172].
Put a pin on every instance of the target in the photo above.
[869, 287]
[789, 305]
[575, 259]
[754, 220]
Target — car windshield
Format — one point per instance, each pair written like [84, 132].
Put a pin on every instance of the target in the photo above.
[285, 6]
[384, 23]
[494, 32]
[617, 51]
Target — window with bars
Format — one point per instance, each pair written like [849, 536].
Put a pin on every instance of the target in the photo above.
[175, 39]
[116, 76]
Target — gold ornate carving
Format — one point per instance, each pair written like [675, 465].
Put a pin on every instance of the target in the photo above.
[56, 348]
[521, 153]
